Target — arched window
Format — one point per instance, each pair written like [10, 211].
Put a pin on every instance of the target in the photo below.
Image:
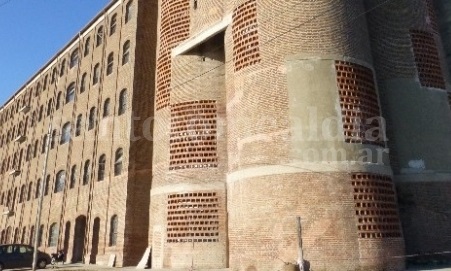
[40, 234]
[83, 83]
[128, 11]
[63, 67]
[47, 185]
[58, 100]
[73, 176]
[41, 112]
[110, 64]
[87, 45]
[38, 189]
[60, 181]
[78, 125]
[38, 89]
[106, 108]
[122, 102]
[86, 172]
[70, 94]
[113, 230]
[36, 147]
[96, 74]
[53, 75]
[30, 188]
[24, 232]
[113, 24]
[74, 59]
[126, 52]
[16, 235]
[19, 164]
[118, 162]
[99, 37]
[44, 143]
[45, 81]
[92, 118]
[101, 173]
[52, 142]
[31, 236]
[28, 157]
[23, 193]
[53, 235]
[65, 135]
[49, 107]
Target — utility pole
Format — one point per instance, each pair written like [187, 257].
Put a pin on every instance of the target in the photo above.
[300, 252]
[41, 197]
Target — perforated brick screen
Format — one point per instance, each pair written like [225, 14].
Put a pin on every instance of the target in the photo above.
[427, 59]
[193, 135]
[359, 104]
[174, 28]
[163, 80]
[246, 50]
[375, 206]
[193, 217]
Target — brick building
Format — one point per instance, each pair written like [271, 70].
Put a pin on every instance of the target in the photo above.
[205, 129]
[96, 187]
[269, 110]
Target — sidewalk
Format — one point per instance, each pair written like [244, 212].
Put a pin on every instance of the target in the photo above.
[83, 267]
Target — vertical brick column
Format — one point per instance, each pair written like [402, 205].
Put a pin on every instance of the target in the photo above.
[188, 206]
[301, 88]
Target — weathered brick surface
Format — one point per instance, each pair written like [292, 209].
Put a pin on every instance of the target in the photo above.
[126, 195]
[248, 79]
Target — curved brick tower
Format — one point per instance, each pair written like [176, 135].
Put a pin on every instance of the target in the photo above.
[188, 221]
[297, 87]
[265, 113]
[413, 84]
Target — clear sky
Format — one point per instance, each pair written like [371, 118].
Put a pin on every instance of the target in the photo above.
[33, 31]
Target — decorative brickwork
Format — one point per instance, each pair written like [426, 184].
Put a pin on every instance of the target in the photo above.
[174, 28]
[193, 217]
[427, 59]
[245, 36]
[359, 103]
[193, 135]
[163, 79]
[375, 205]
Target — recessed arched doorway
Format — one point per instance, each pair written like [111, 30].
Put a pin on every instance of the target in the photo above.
[95, 240]
[79, 239]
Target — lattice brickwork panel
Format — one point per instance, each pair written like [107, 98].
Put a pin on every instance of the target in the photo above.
[427, 59]
[193, 135]
[432, 16]
[193, 217]
[175, 21]
[163, 80]
[359, 103]
[246, 50]
[375, 205]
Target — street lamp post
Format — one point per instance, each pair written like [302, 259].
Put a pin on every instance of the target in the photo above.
[41, 196]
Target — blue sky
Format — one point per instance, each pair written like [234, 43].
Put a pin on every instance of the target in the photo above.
[33, 31]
